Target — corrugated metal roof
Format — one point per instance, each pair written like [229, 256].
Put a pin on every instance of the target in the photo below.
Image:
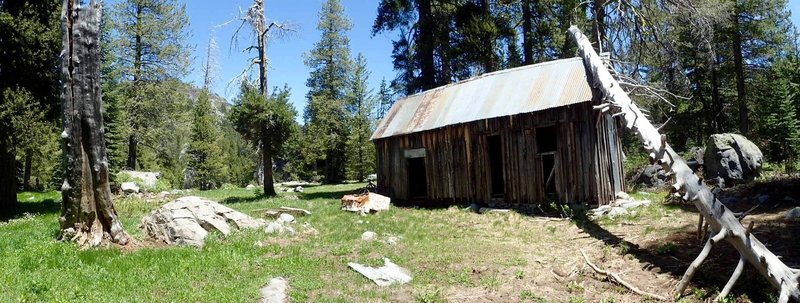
[503, 93]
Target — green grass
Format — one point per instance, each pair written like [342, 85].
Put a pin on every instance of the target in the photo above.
[449, 251]
[36, 268]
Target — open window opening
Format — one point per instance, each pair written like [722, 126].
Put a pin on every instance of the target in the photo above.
[495, 152]
[547, 144]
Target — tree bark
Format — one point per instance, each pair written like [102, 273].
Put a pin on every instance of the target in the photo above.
[527, 32]
[723, 223]
[266, 161]
[262, 30]
[8, 178]
[26, 175]
[425, 35]
[598, 24]
[88, 215]
[741, 93]
[132, 143]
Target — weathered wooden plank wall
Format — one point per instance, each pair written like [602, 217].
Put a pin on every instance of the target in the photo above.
[457, 159]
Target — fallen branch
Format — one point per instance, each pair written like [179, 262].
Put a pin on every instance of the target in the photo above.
[720, 220]
[616, 278]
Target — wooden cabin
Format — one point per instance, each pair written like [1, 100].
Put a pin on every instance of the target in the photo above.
[517, 137]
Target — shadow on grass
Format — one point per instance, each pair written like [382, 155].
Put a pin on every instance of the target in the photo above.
[47, 206]
[335, 195]
[245, 199]
[673, 254]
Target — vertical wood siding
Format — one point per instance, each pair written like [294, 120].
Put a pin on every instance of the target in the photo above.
[457, 159]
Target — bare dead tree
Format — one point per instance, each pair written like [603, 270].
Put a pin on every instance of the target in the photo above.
[723, 223]
[211, 67]
[261, 31]
[88, 215]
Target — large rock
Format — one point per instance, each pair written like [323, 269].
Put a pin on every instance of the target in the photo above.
[732, 158]
[653, 176]
[129, 188]
[148, 179]
[188, 220]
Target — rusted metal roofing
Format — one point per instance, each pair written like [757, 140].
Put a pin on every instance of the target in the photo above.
[503, 93]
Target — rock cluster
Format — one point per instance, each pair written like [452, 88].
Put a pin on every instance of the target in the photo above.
[623, 205]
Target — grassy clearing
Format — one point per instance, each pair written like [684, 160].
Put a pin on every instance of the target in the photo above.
[454, 255]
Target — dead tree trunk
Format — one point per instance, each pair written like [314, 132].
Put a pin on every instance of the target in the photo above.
[88, 215]
[266, 162]
[723, 224]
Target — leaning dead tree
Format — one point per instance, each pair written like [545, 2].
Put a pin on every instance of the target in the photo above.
[87, 215]
[723, 224]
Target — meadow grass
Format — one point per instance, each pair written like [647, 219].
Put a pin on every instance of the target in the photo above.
[453, 254]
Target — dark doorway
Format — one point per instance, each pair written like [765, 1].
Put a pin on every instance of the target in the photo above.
[417, 181]
[495, 151]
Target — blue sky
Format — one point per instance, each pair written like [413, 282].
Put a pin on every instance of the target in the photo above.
[286, 54]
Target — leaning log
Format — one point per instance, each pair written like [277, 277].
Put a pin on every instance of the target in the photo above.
[87, 215]
[722, 222]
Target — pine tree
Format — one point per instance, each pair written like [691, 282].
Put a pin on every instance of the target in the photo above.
[205, 156]
[780, 127]
[360, 105]
[385, 99]
[150, 42]
[325, 115]
[266, 122]
[29, 49]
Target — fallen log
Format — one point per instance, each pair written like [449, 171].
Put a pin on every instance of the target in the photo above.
[722, 222]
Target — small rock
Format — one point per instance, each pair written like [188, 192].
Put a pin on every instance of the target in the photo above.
[286, 218]
[623, 195]
[275, 291]
[793, 214]
[474, 207]
[763, 199]
[392, 240]
[385, 275]
[617, 211]
[129, 188]
[369, 236]
[274, 228]
[360, 222]
[250, 187]
[619, 202]
[630, 204]
[298, 189]
[789, 200]
[258, 244]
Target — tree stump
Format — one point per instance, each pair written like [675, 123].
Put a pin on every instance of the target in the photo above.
[88, 215]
